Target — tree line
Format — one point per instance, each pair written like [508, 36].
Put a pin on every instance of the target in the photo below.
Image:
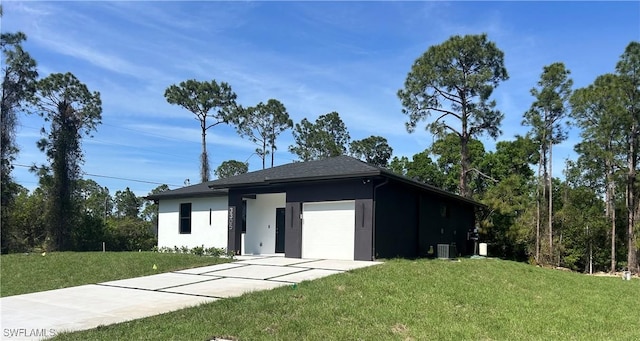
[65, 212]
[568, 222]
[120, 220]
[214, 103]
[531, 215]
[585, 221]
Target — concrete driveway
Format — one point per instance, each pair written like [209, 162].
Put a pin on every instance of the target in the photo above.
[44, 314]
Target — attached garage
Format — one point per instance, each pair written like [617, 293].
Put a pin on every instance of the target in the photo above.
[328, 229]
[335, 208]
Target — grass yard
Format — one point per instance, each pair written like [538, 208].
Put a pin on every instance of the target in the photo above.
[25, 273]
[484, 299]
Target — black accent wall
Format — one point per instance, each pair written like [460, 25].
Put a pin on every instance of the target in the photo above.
[444, 221]
[396, 221]
[402, 220]
[234, 236]
[293, 236]
[349, 189]
[359, 189]
[410, 222]
[363, 249]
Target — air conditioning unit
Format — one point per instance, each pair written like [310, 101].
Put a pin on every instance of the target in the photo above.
[447, 251]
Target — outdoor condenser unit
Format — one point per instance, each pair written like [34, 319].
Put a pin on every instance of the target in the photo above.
[447, 251]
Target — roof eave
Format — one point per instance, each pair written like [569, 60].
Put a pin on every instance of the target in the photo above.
[267, 182]
[431, 188]
[157, 197]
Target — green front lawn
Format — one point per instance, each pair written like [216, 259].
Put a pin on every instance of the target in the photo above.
[473, 299]
[25, 273]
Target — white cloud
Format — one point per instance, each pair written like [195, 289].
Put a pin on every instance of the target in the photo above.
[182, 134]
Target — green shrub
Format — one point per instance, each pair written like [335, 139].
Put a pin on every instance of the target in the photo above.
[89, 234]
[198, 250]
[127, 234]
[25, 228]
[215, 252]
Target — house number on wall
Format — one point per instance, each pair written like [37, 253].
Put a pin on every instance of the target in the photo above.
[232, 211]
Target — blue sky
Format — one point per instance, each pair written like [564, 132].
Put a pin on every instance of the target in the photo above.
[315, 57]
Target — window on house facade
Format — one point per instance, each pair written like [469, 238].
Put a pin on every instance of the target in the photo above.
[444, 210]
[185, 218]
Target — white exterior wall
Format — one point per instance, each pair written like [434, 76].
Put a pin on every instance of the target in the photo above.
[214, 235]
[261, 223]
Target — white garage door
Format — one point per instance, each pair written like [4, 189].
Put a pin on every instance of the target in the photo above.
[328, 230]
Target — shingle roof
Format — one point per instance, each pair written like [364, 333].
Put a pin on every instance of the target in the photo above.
[332, 168]
[199, 190]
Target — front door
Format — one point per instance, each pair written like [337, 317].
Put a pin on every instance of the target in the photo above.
[280, 230]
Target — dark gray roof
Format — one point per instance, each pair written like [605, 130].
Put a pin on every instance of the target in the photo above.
[338, 167]
[199, 190]
[331, 168]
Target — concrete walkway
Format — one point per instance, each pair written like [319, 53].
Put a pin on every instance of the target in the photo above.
[44, 314]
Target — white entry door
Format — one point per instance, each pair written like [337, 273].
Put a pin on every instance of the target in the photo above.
[328, 229]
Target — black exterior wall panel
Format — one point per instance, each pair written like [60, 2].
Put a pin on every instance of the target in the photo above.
[408, 221]
[411, 223]
[359, 189]
[443, 221]
[345, 189]
[430, 225]
[349, 189]
[234, 237]
[363, 230]
[293, 234]
[396, 222]
[465, 217]
[250, 192]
